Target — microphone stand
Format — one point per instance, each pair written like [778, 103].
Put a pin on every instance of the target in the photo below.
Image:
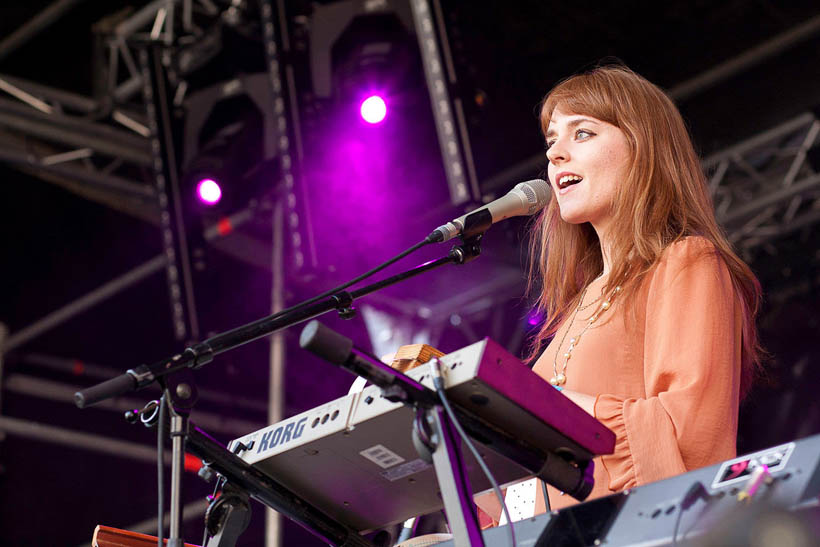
[171, 372]
[203, 353]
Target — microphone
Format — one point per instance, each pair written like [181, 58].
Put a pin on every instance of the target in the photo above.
[526, 198]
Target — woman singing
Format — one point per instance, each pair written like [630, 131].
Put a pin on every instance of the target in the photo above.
[649, 312]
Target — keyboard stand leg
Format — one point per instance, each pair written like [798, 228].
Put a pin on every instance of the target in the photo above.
[453, 481]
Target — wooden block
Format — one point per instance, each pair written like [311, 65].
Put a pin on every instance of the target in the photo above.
[105, 536]
[412, 355]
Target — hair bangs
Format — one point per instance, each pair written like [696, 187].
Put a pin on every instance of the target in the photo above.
[581, 94]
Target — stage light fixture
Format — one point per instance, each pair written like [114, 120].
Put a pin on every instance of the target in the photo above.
[208, 191]
[535, 318]
[228, 147]
[373, 109]
[369, 131]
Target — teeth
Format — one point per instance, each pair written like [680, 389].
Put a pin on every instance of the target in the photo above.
[568, 179]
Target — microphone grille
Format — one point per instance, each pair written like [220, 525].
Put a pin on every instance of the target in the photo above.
[537, 192]
[530, 193]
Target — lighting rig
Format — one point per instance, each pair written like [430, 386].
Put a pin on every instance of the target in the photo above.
[109, 147]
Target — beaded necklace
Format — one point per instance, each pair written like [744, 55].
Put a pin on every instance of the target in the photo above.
[560, 378]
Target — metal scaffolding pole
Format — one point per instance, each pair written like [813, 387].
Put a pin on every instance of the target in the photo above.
[75, 131]
[65, 98]
[807, 186]
[35, 25]
[31, 386]
[752, 57]
[78, 439]
[439, 75]
[113, 200]
[682, 91]
[101, 372]
[179, 274]
[123, 187]
[4, 332]
[85, 302]
[277, 347]
[276, 386]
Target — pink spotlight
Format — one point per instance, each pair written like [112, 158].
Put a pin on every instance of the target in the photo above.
[373, 109]
[208, 191]
[534, 317]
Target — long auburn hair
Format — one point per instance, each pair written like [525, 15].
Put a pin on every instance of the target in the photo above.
[663, 199]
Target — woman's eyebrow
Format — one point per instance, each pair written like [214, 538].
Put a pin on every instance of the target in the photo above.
[570, 125]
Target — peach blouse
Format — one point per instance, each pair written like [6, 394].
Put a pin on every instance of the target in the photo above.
[666, 380]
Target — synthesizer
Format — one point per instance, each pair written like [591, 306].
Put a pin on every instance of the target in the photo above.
[354, 459]
[707, 506]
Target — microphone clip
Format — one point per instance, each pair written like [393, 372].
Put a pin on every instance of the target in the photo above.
[477, 222]
[468, 250]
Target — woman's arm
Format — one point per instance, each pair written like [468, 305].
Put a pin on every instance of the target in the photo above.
[687, 416]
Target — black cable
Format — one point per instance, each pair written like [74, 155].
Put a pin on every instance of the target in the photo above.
[677, 526]
[546, 495]
[161, 471]
[438, 383]
[695, 492]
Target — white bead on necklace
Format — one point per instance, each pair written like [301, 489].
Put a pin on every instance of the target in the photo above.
[560, 378]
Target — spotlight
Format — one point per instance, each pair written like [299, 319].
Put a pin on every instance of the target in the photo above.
[208, 191]
[534, 318]
[231, 140]
[373, 109]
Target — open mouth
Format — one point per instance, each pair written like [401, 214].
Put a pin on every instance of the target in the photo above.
[569, 180]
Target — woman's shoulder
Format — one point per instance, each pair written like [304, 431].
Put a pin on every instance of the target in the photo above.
[689, 249]
[689, 254]
[690, 271]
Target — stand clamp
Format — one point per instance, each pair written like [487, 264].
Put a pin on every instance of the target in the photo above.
[227, 516]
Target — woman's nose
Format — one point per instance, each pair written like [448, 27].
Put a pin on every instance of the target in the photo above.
[557, 152]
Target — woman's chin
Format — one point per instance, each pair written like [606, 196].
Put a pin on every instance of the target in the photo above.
[571, 217]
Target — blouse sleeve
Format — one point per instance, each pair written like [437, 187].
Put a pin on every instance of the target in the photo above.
[687, 417]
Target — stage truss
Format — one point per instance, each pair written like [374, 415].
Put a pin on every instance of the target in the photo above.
[103, 149]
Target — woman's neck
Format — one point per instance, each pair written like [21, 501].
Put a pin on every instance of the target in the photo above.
[606, 246]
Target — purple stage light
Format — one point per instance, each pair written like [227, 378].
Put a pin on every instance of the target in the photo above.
[534, 318]
[373, 109]
[208, 191]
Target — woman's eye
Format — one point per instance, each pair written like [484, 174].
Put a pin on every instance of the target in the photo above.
[548, 145]
[582, 134]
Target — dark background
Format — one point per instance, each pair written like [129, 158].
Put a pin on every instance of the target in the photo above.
[58, 246]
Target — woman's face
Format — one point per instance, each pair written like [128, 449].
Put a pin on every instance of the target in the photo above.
[588, 159]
